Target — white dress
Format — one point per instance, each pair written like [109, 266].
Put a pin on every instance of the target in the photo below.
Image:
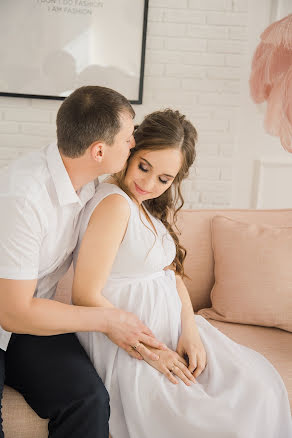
[238, 395]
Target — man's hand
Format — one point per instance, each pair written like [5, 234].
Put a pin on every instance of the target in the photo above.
[127, 331]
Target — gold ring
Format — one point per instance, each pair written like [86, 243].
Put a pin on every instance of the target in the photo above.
[172, 369]
[135, 346]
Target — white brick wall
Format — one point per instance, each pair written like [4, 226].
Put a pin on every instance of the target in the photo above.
[193, 63]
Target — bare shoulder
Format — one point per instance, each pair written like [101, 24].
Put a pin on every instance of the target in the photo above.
[112, 207]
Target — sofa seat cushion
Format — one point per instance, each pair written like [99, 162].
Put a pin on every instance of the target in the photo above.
[19, 420]
[273, 343]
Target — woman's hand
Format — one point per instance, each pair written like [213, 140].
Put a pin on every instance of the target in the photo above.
[191, 346]
[171, 364]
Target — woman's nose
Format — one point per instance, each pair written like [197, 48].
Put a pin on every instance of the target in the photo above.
[133, 143]
[148, 184]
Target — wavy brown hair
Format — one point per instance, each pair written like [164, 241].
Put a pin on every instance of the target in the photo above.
[164, 130]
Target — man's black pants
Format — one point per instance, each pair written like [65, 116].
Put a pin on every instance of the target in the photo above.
[57, 379]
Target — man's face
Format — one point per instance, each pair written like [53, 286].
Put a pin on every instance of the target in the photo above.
[118, 153]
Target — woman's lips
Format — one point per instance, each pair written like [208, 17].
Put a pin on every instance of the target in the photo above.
[139, 190]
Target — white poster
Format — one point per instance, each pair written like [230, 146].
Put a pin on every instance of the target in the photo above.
[48, 48]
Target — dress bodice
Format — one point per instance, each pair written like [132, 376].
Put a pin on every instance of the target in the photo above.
[142, 251]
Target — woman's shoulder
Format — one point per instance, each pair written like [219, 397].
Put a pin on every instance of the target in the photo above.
[103, 191]
[106, 189]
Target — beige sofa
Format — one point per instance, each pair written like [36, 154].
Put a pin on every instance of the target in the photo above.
[275, 344]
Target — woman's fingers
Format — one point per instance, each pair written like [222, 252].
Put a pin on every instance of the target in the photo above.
[145, 353]
[201, 364]
[178, 372]
[152, 342]
[170, 376]
[183, 369]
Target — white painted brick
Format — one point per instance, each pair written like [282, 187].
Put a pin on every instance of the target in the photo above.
[162, 83]
[186, 189]
[226, 174]
[9, 154]
[223, 46]
[218, 137]
[214, 125]
[207, 85]
[46, 104]
[208, 150]
[172, 97]
[167, 29]
[154, 42]
[210, 173]
[240, 5]
[194, 45]
[215, 198]
[219, 186]
[232, 19]
[218, 99]
[185, 71]
[238, 33]
[207, 32]
[156, 14]
[224, 73]
[225, 113]
[39, 129]
[168, 3]
[154, 69]
[26, 115]
[16, 102]
[234, 60]
[203, 58]
[226, 150]
[211, 5]
[9, 127]
[162, 56]
[184, 16]
[22, 141]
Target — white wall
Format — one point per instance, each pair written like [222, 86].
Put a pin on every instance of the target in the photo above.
[196, 61]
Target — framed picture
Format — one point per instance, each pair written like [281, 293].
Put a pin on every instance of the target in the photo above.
[48, 48]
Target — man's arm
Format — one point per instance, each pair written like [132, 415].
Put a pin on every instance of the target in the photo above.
[20, 312]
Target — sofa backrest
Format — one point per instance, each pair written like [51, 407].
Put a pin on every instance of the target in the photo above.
[195, 227]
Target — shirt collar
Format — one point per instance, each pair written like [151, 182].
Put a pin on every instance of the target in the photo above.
[63, 185]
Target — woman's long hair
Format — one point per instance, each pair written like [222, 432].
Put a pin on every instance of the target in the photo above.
[164, 130]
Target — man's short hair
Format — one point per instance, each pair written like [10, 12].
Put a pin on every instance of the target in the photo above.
[90, 114]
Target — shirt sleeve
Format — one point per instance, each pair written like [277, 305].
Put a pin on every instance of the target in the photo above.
[20, 239]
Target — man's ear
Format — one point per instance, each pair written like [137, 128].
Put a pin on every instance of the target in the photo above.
[97, 151]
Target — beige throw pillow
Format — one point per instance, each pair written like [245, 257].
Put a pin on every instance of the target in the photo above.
[253, 274]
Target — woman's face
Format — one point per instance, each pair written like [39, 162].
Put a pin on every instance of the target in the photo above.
[150, 173]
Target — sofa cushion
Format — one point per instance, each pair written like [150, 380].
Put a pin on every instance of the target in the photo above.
[273, 343]
[19, 420]
[253, 276]
[195, 226]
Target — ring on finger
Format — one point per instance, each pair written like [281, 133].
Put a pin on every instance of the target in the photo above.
[136, 346]
[172, 368]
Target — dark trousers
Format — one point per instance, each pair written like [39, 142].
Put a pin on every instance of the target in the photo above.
[57, 379]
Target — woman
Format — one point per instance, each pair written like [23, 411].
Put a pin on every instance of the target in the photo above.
[129, 256]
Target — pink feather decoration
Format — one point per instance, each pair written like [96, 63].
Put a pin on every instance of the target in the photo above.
[271, 79]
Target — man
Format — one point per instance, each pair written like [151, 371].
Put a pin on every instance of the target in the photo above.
[42, 196]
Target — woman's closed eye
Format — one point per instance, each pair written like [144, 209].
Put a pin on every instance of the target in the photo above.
[141, 167]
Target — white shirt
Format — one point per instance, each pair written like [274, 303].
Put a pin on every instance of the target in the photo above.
[39, 222]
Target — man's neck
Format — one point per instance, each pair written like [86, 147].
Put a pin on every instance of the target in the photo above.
[78, 171]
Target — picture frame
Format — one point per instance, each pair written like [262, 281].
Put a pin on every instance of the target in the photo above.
[48, 48]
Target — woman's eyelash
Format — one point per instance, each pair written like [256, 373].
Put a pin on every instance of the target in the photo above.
[163, 181]
[142, 168]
